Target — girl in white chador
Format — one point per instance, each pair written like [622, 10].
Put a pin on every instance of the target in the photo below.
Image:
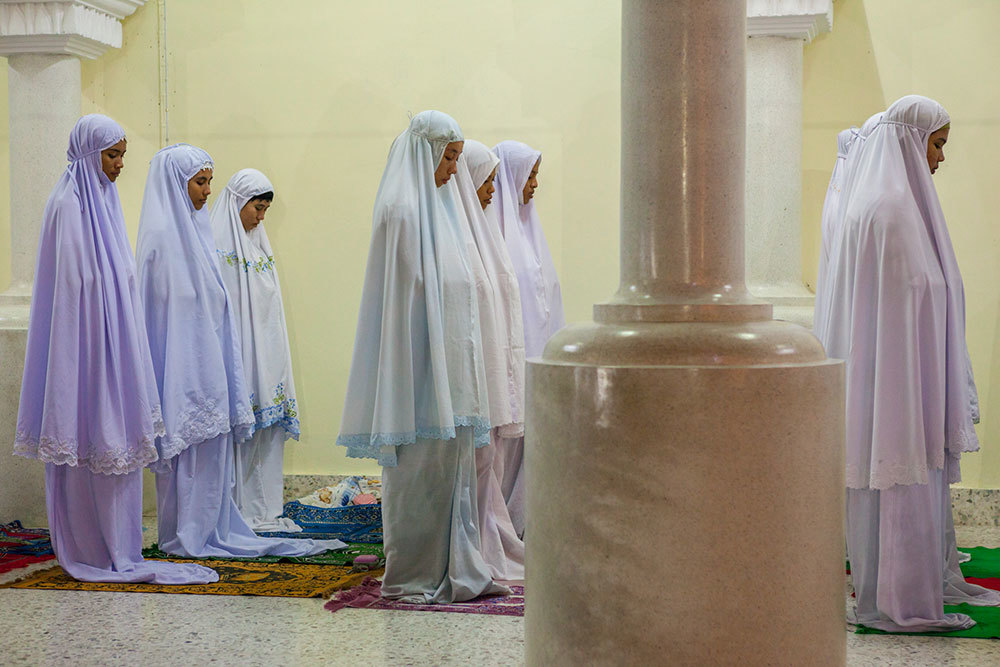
[251, 278]
[198, 365]
[416, 397]
[503, 348]
[831, 205]
[541, 296]
[897, 316]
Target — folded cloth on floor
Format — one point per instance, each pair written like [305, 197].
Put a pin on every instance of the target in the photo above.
[344, 492]
[16, 539]
[368, 595]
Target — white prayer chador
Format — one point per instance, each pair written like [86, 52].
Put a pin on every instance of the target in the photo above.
[250, 274]
[416, 396]
[897, 316]
[198, 364]
[828, 222]
[541, 295]
[503, 347]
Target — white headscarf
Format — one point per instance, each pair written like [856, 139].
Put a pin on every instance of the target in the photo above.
[504, 354]
[828, 222]
[897, 309]
[541, 297]
[251, 276]
[417, 369]
[192, 334]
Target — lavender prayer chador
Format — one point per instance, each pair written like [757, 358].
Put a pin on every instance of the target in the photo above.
[541, 296]
[199, 372]
[89, 407]
[897, 316]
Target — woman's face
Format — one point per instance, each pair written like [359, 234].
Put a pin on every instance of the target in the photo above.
[532, 184]
[486, 190]
[935, 147]
[449, 163]
[200, 187]
[112, 160]
[252, 213]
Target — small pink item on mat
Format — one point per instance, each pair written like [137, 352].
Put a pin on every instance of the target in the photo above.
[363, 499]
[365, 562]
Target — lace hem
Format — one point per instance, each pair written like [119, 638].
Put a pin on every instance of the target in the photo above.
[120, 460]
[370, 445]
[201, 423]
[513, 430]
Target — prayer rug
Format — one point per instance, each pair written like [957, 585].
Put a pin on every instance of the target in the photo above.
[369, 596]
[21, 547]
[342, 557]
[982, 570]
[292, 580]
[354, 523]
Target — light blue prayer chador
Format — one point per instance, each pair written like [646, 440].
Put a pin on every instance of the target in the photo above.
[199, 372]
[416, 396]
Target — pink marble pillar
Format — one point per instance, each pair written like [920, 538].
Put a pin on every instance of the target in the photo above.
[684, 451]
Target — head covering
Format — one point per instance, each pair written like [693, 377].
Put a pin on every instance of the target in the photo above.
[500, 302]
[192, 333]
[251, 277]
[828, 222]
[541, 297]
[88, 396]
[417, 369]
[897, 309]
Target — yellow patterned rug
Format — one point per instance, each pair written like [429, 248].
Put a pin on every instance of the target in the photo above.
[291, 580]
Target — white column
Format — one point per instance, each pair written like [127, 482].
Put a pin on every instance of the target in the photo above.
[777, 31]
[43, 42]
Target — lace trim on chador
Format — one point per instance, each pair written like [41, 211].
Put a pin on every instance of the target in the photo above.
[370, 445]
[118, 460]
[884, 476]
[203, 422]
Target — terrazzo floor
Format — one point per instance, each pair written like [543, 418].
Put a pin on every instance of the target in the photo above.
[90, 628]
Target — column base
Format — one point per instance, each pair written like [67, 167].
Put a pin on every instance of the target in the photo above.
[685, 514]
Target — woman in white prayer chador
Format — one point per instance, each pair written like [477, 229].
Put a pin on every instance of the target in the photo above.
[416, 397]
[198, 363]
[541, 296]
[897, 316]
[251, 277]
[503, 347]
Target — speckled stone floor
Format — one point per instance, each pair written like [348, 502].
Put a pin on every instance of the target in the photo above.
[82, 628]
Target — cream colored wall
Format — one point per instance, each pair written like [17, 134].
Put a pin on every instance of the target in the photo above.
[880, 50]
[313, 94]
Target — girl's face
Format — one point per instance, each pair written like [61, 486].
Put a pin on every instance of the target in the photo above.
[486, 190]
[935, 147]
[449, 163]
[532, 184]
[200, 187]
[252, 213]
[112, 160]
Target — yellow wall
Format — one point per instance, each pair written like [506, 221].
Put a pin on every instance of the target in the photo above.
[313, 94]
[880, 50]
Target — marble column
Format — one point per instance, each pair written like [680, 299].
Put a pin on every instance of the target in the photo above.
[777, 32]
[43, 42]
[684, 451]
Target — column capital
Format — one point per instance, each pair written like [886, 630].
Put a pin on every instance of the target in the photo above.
[794, 19]
[84, 28]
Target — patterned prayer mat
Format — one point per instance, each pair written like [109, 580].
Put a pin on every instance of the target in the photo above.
[369, 596]
[354, 523]
[21, 547]
[983, 570]
[292, 580]
[343, 557]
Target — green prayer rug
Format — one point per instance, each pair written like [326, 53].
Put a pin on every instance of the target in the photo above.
[343, 557]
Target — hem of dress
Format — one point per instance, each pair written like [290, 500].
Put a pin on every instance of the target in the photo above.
[370, 445]
[47, 451]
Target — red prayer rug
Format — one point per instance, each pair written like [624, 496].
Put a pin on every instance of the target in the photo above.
[369, 596]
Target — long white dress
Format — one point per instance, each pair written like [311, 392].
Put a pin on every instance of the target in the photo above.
[416, 396]
[250, 274]
[897, 316]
